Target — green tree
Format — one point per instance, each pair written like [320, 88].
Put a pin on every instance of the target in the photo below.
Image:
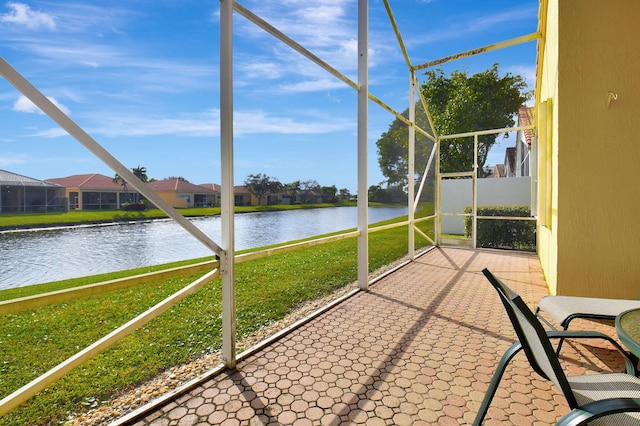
[261, 184]
[291, 189]
[329, 194]
[180, 178]
[392, 194]
[345, 194]
[309, 190]
[462, 103]
[140, 172]
[393, 148]
[459, 103]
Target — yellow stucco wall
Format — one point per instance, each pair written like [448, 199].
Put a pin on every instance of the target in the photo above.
[173, 200]
[547, 131]
[595, 225]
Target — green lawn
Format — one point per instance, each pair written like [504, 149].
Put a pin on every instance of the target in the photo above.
[267, 290]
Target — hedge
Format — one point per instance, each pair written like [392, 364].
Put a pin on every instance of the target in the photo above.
[503, 233]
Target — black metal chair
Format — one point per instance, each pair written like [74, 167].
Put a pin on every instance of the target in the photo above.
[594, 399]
[564, 309]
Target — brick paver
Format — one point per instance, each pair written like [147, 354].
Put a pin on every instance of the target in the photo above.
[418, 348]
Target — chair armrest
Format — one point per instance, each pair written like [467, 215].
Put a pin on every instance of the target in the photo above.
[631, 362]
[597, 409]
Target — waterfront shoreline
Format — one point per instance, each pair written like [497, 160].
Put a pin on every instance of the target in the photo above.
[39, 221]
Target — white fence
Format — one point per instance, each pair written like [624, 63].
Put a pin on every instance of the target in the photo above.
[458, 193]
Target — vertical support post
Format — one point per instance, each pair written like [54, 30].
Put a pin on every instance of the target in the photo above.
[475, 192]
[437, 223]
[227, 196]
[411, 166]
[363, 123]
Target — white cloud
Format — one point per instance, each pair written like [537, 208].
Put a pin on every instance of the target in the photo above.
[528, 72]
[82, 17]
[326, 28]
[62, 51]
[260, 68]
[251, 122]
[22, 14]
[207, 124]
[313, 85]
[54, 132]
[23, 104]
[466, 26]
[13, 159]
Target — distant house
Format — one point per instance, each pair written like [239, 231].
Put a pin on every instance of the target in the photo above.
[510, 162]
[217, 192]
[21, 194]
[523, 143]
[244, 197]
[519, 160]
[94, 192]
[182, 194]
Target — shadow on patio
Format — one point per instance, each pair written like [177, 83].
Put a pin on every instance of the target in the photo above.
[418, 348]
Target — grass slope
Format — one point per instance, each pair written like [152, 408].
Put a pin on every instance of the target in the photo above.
[32, 342]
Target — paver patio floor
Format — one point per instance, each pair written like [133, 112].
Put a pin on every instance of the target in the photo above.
[418, 348]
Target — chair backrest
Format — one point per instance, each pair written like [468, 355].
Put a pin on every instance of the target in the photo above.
[533, 338]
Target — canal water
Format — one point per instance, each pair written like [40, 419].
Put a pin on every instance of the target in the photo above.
[33, 257]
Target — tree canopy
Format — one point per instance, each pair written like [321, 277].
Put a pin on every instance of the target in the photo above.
[140, 172]
[462, 103]
[261, 184]
[393, 147]
[457, 103]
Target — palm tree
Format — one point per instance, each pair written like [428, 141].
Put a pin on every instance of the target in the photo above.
[140, 172]
[117, 179]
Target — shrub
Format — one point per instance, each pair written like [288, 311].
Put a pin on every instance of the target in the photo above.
[503, 233]
[134, 207]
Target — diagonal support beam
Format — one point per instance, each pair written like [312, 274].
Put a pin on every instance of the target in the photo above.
[40, 383]
[49, 108]
[479, 50]
[292, 43]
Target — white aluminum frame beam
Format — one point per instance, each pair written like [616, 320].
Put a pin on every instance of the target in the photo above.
[479, 50]
[227, 255]
[291, 43]
[49, 108]
[363, 124]
[411, 166]
[42, 382]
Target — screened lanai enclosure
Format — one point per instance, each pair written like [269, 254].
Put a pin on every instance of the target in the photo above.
[21, 194]
[443, 207]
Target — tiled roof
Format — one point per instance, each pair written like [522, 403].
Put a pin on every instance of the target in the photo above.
[178, 185]
[8, 178]
[211, 186]
[87, 181]
[525, 118]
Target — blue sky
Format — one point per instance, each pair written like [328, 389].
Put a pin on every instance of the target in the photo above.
[142, 78]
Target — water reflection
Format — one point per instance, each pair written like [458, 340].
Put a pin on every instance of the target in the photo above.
[34, 257]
